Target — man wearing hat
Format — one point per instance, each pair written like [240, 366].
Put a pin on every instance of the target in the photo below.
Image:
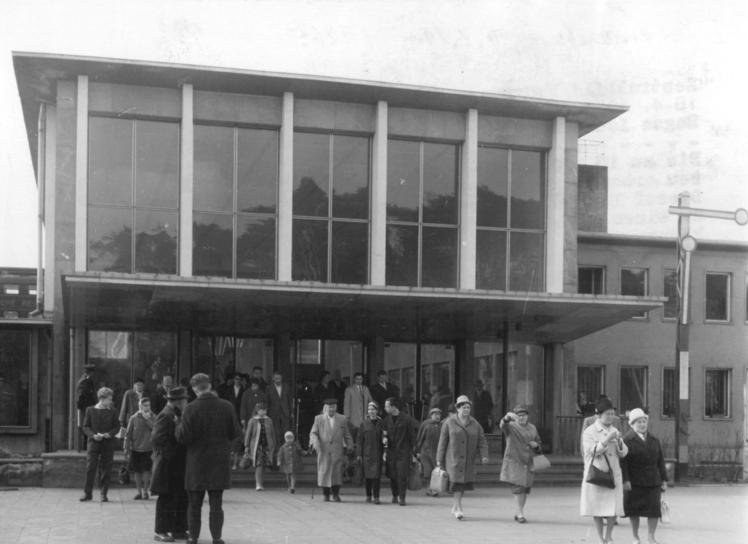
[207, 429]
[85, 396]
[401, 431]
[427, 442]
[169, 458]
[330, 438]
[482, 405]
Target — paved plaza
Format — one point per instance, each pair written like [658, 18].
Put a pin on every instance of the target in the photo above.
[701, 515]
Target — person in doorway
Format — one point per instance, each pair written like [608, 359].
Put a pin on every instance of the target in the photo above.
[369, 451]
[85, 396]
[401, 431]
[159, 398]
[427, 443]
[207, 428]
[259, 444]
[169, 460]
[289, 460]
[234, 393]
[522, 444]
[330, 438]
[138, 447]
[324, 390]
[279, 398]
[100, 425]
[383, 389]
[131, 402]
[357, 398]
[482, 406]
[257, 374]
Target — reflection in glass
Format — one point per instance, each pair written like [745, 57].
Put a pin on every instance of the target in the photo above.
[526, 267]
[154, 354]
[214, 168]
[437, 374]
[110, 352]
[528, 190]
[439, 257]
[403, 180]
[251, 352]
[493, 184]
[257, 170]
[212, 244]
[490, 268]
[255, 247]
[109, 239]
[110, 161]
[157, 164]
[402, 255]
[350, 251]
[311, 166]
[309, 250]
[15, 374]
[440, 183]
[350, 177]
[633, 388]
[156, 241]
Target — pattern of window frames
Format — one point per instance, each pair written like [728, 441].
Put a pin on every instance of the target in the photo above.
[591, 280]
[133, 195]
[635, 282]
[590, 382]
[510, 238]
[235, 202]
[717, 392]
[717, 297]
[422, 213]
[331, 208]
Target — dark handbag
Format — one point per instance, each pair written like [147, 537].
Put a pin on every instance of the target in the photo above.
[595, 476]
[415, 480]
[124, 475]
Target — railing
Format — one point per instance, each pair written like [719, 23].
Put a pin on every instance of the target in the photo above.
[569, 433]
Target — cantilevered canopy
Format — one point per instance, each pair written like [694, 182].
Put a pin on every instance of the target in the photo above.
[315, 310]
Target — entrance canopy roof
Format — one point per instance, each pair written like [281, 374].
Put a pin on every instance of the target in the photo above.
[316, 310]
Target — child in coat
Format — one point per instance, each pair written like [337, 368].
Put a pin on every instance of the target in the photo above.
[289, 460]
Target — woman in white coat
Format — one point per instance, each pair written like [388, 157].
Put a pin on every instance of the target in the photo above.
[601, 441]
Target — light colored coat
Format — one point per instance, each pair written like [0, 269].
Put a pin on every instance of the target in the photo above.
[596, 500]
[516, 466]
[355, 404]
[330, 443]
[252, 436]
[459, 446]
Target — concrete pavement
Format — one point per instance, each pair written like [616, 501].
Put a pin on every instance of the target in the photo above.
[701, 514]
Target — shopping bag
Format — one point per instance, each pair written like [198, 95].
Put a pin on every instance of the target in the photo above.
[665, 512]
[439, 481]
[415, 480]
[540, 463]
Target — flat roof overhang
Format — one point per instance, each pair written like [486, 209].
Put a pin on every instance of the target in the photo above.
[314, 310]
[37, 74]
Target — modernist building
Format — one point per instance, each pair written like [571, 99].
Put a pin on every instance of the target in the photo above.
[205, 219]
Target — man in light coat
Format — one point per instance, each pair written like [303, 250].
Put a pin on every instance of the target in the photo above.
[330, 438]
[357, 398]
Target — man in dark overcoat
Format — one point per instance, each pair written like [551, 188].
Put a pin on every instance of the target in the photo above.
[482, 406]
[169, 459]
[400, 447]
[382, 390]
[279, 397]
[207, 429]
[85, 396]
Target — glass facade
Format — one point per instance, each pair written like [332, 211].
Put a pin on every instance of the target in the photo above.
[235, 195]
[133, 195]
[15, 378]
[510, 241]
[422, 214]
[331, 208]
[717, 297]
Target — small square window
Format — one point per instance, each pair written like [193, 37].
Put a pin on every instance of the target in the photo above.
[670, 391]
[590, 280]
[590, 385]
[717, 393]
[717, 297]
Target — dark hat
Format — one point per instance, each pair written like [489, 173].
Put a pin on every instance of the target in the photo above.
[603, 404]
[330, 401]
[521, 409]
[435, 411]
[177, 393]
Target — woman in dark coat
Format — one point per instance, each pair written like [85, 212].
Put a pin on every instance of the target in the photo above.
[369, 451]
[460, 442]
[644, 475]
[401, 432]
[427, 443]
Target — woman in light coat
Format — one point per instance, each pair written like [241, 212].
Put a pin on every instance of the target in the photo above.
[259, 444]
[601, 441]
[522, 444]
[460, 442]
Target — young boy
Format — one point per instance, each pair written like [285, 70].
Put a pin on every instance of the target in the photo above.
[289, 460]
[138, 448]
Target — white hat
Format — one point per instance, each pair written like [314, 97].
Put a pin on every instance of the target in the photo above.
[462, 399]
[636, 413]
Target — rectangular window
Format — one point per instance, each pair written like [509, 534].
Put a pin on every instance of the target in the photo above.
[133, 195]
[11, 289]
[670, 290]
[670, 393]
[422, 213]
[590, 280]
[634, 283]
[236, 179]
[717, 297]
[633, 388]
[590, 385]
[717, 393]
[331, 208]
[510, 219]
[16, 368]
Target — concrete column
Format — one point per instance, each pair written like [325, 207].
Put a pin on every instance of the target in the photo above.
[469, 201]
[375, 357]
[554, 264]
[81, 173]
[466, 371]
[559, 394]
[186, 181]
[50, 155]
[285, 192]
[378, 246]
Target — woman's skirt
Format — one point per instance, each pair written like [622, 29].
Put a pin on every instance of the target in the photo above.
[642, 502]
[140, 461]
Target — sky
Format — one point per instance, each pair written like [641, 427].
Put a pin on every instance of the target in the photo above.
[677, 64]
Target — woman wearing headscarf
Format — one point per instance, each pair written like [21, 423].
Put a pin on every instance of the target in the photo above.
[369, 451]
[522, 444]
[427, 443]
[644, 475]
[460, 442]
[603, 446]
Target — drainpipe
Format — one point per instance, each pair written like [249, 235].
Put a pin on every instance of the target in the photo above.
[41, 174]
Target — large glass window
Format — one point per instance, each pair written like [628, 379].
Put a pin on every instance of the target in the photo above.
[235, 194]
[670, 290]
[222, 356]
[511, 219]
[717, 296]
[633, 388]
[717, 393]
[15, 378]
[331, 208]
[590, 280]
[590, 385]
[422, 214]
[634, 282]
[400, 364]
[133, 195]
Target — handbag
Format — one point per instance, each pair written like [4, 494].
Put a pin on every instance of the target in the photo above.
[595, 476]
[540, 463]
[665, 515]
[415, 480]
[124, 475]
[439, 481]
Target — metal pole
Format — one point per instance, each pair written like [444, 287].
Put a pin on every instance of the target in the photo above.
[682, 407]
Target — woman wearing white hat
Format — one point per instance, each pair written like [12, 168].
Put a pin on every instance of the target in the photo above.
[644, 475]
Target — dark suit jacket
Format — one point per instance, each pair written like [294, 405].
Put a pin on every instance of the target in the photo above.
[401, 436]
[644, 466]
[234, 399]
[279, 408]
[169, 456]
[207, 428]
[381, 394]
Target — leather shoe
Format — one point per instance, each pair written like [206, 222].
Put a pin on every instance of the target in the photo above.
[104, 498]
[85, 498]
[394, 500]
[184, 535]
[336, 498]
[163, 537]
[376, 500]
[327, 498]
[401, 501]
